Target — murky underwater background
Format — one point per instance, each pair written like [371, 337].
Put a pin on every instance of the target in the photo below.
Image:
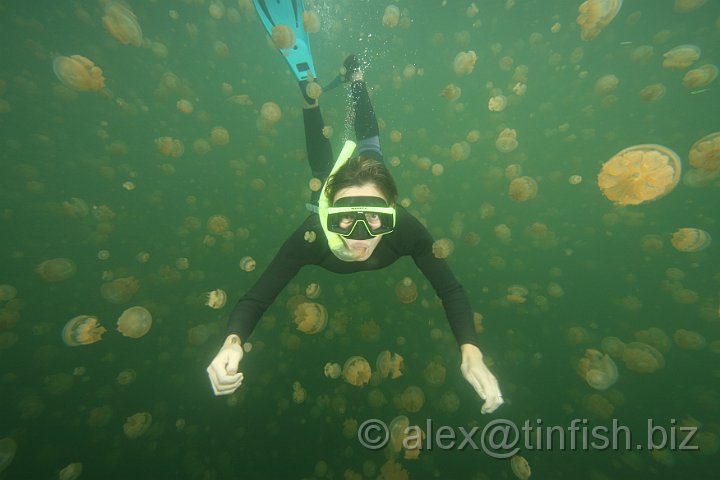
[586, 269]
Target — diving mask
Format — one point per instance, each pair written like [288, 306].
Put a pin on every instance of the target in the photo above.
[360, 218]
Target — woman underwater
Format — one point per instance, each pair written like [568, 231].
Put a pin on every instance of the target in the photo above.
[359, 226]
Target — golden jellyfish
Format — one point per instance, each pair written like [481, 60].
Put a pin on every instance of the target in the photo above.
[8, 448]
[311, 22]
[406, 290]
[136, 425]
[520, 467]
[122, 24]
[134, 322]
[332, 370]
[654, 337]
[598, 369]
[689, 340]
[310, 317]
[460, 151]
[313, 90]
[575, 180]
[71, 472]
[244, 100]
[684, 6]
[506, 141]
[443, 248]
[398, 430]
[299, 393]
[395, 136]
[690, 240]
[700, 77]
[389, 364]
[270, 112]
[218, 224]
[434, 374]
[681, 56]
[595, 15]
[7, 292]
[184, 106]
[216, 299]
[356, 371]
[464, 62]
[126, 377]
[412, 399]
[56, 269]
[283, 37]
[451, 92]
[313, 290]
[248, 264]
[219, 136]
[613, 346]
[606, 84]
[522, 189]
[216, 9]
[120, 290]
[642, 358]
[497, 103]
[639, 174]
[653, 93]
[437, 169]
[391, 16]
[705, 153]
[82, 330]
[170, 147]
[79, 73]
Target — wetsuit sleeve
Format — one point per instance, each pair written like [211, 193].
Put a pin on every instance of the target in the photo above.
[452, 294]
[295, 253]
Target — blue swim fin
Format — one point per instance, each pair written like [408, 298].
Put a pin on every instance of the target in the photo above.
[290, 13]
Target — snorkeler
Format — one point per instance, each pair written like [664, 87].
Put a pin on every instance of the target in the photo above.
[356, 220]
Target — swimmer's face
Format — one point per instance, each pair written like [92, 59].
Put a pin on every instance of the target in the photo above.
[366, 247]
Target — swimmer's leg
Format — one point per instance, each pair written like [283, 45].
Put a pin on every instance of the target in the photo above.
[365, 123]
[319, 150]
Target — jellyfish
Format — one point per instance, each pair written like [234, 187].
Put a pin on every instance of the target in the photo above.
[517, 294]
[613, 346]
[598, 370]
[8, 447]
[443, 248]
[522, 189]
[389, 364]
[520, 467]
[56, 269]
[506, 141]
[134, 322]
[126, 377]
[690, 240]
[684, 6]
[311, 22]
[459, 151]
[681, 56]
[184, 106]
[700, 77]
[595, 15]
[406, 290]
[689, 340]
[120, 290]
[216, 9]
[642, 358]
[218, 224]
[270, 113]
[639, 174]
[333, 370]
[82, 330]
[71, 472]
[312, 291]
[121, 23]
[653, 93]
[356, 371]
[310, 317]
[497, 103]
[434, 374]
[313, 90]
[398, 429]
[464, 62]
[100, 416]
[606, 84]
[79, 73]
[219, 136]
[136, 425]
[299, 393]
[7, 292]
[705, 153]
[451, 92]
[391, 16]
[283, 37]
[216, 299]
[376, 398]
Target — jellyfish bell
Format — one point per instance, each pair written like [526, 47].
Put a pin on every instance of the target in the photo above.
[705, 153]
[310, 317]
[122, 24]
[642, 358]
[356, 371]
[523, 188]
[640, 174]
[406, 291]
[56, 269]
[595, 15]
[389, 364]
[391, 16]
[520, 467]
[333, 370]
[82, 330]
[506, 141]
[120, 290]
[681, 57]
[216, 299]
[700, 77]
[71, 472]
[78, 73]
[283, 37]
[134, 322]
[464, 62]
[8, 448]
[136, 425]
[690, 240]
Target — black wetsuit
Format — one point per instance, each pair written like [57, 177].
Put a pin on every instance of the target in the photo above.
[409, 238]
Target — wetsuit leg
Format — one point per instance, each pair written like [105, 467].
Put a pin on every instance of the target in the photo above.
[318, 148]
[367, 132]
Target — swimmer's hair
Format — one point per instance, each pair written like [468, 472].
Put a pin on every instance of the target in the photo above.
[359, 171]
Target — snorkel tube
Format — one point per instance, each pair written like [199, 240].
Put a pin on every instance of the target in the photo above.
[335, 241]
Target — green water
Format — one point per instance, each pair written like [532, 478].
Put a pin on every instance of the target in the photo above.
[58, 145]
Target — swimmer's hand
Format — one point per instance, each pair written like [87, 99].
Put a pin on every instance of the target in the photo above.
[477, 374]
[223, 370]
